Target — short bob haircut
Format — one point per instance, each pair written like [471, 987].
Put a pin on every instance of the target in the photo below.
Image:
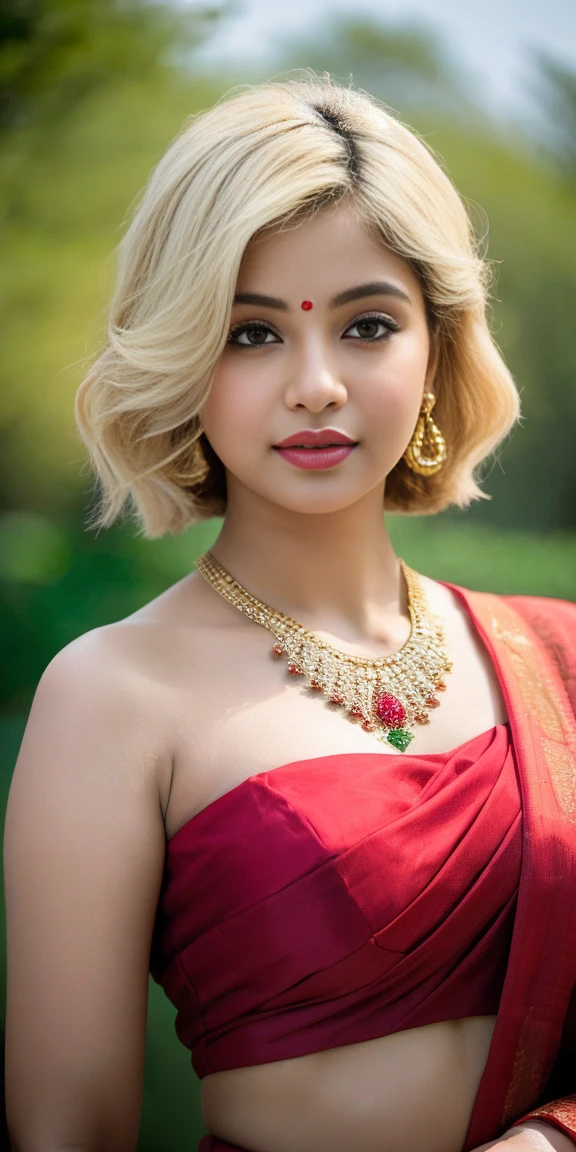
[265, 157]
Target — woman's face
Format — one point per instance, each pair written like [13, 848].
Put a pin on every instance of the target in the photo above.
[354, 364]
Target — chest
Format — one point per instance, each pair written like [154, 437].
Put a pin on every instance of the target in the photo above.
[236, 712]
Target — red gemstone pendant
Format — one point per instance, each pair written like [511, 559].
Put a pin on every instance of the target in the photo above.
[390, 710]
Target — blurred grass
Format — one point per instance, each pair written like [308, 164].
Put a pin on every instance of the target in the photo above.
[488, 559]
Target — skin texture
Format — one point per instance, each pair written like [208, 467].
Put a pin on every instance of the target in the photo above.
[137, 726]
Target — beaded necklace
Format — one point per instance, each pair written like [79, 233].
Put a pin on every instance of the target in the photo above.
[389, 694]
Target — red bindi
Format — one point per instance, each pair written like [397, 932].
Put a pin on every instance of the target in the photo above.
[306, 305]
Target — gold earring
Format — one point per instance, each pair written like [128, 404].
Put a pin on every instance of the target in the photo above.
[426, 452]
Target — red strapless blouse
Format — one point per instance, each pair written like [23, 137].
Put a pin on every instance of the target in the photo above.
[338, 899]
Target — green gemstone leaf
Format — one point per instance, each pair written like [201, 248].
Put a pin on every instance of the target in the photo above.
[399, 738]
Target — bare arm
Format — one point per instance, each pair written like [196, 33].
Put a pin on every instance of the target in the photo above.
[83, 859]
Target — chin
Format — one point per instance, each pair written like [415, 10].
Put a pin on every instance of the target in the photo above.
[317, 503]
[309, 493]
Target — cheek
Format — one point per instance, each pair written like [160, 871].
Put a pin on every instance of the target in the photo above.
[232, 407]
[393, 391]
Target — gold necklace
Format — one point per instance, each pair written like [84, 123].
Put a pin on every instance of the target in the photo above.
[389, 694]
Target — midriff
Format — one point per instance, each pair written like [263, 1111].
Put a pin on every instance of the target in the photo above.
[411, 1089]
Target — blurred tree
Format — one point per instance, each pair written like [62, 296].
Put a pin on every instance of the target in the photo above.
[61, 61]
[557, 90]
[406, 66]
[55, 52]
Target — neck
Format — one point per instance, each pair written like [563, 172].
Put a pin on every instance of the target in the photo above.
[324, 569]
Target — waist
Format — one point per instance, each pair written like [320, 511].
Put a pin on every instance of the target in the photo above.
[417, 1086]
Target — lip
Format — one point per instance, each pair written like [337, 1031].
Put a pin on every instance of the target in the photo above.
[316, 459]
[320, 438]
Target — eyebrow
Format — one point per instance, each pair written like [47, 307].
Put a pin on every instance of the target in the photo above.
[374, 288]
[260, 301]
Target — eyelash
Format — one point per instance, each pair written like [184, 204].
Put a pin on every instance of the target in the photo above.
[386, 321]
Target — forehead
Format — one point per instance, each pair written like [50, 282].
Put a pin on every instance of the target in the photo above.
[330, 250]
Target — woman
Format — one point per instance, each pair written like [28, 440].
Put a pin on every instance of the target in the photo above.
[329, 803]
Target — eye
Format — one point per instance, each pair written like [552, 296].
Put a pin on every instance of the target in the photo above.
[256, 335]
[368, 328]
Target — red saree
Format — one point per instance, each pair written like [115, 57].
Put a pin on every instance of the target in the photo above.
[532, 1059]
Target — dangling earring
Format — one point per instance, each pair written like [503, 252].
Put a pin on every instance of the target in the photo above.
[426, 452]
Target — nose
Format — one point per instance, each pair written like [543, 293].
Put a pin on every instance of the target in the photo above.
[314, 383]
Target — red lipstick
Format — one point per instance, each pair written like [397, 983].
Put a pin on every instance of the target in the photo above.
[315, 449]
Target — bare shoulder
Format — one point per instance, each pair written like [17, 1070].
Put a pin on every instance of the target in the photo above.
[133, 666]
[98, 724]
[107, 679]
[140, 677]
[84, 850]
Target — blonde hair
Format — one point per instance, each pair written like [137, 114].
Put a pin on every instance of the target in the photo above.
[263, 156]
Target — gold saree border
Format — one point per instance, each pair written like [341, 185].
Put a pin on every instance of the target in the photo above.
[544, 704]
[563, 1111]
[539, 707]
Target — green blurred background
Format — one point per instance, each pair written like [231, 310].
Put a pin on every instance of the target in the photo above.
[91, 93]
